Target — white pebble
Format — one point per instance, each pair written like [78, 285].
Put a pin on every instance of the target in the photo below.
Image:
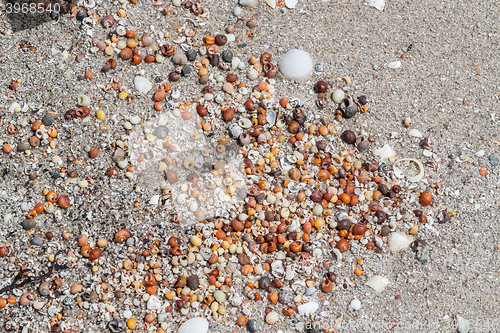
[127, 314]
[237, 11]
[355, 304]
[394, 64]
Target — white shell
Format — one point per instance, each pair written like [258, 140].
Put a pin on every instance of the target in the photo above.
[400, 174]
[272, 317]
[277, 269]
[142, 84]
[14, 106]
[271, 3]
[296, 65]
[291, 3]
[355, 304]
[248, 3]
[379, 4]
[338, 95]
[394, 64]
[154, 201]
[194, 325]
[398, 242]
[415, 133]
[252, 74]
[463, 325]
[385, 152]
[378, 283]
[154, 302]
[307, 308]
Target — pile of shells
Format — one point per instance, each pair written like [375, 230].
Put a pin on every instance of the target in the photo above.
[250, 198]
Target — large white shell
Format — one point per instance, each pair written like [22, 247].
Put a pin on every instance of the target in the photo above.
[142, 84]
[379, 4]
[378, 282]
[271, 3]
[398, 242]
[307, 308]
[248, 3]
[463, 325]
[291, 3]
[194, 325]
[296, 65]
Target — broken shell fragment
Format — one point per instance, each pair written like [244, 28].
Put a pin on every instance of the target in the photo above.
[378, 283]
[398, 242]
[400, 174]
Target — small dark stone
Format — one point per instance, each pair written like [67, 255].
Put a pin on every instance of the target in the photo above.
[59, 267]
[242, 45]
[37, 241]
[48, 119]
[385, 231]
[348, 136]
[173, 76]
[55, 174]
[362, 100]
[493, 160]
[186, 70]
[383, 189]
[381, 216]
[28, 224]
[321, 144]
[253, 325]
[22, 146]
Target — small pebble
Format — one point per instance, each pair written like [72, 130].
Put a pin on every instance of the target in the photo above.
[355, 304]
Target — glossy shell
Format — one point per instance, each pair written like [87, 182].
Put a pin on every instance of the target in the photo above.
[194, 325]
